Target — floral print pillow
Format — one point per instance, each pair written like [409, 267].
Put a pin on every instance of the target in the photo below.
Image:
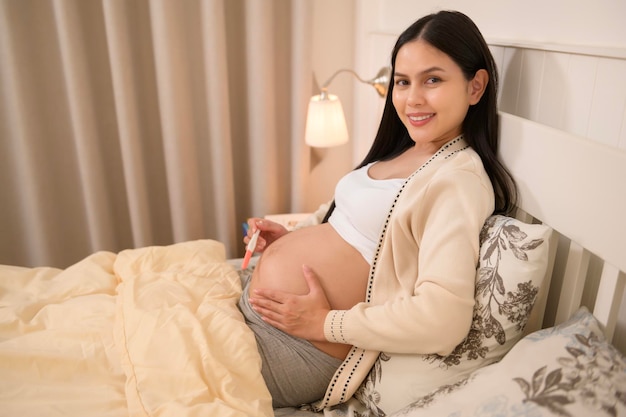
[512, 263]
[569, 370]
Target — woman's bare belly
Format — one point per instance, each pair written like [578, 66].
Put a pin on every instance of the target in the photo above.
[342, 271]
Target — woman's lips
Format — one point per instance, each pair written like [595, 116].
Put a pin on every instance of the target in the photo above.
[420, 119]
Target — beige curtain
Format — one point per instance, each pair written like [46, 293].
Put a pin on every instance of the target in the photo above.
[127, 123]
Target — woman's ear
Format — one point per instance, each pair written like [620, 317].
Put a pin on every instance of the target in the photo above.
[477, 86]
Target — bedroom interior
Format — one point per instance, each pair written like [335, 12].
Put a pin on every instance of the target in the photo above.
[121, 135]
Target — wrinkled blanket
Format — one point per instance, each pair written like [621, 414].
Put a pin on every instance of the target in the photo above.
[147, 332]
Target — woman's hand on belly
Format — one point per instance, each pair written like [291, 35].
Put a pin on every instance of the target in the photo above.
[298, 315]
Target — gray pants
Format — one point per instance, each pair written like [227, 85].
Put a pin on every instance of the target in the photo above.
[295, 371]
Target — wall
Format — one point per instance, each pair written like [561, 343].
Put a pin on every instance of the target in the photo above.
[333, 31]
[575, 22]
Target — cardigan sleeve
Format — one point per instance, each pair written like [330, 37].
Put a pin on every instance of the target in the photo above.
[423, 291]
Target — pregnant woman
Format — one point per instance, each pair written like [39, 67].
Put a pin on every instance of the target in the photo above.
[393, 263]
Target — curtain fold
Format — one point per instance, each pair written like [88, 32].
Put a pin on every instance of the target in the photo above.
[261, 54]
[83, 124]
[175, 93]
[127, 124]
[128, 121]
[300, 87]
[220, 172]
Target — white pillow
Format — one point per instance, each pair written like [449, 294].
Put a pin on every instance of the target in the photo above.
[566, 370]
[512, 263]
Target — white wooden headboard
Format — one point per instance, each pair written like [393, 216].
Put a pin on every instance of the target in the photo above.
[577, 187]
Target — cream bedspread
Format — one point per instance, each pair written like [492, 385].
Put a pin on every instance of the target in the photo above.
[147, 332]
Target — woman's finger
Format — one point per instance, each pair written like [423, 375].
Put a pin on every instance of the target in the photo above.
[270, 295]
[311, 279]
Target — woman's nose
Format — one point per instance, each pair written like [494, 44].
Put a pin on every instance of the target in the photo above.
[415, 96]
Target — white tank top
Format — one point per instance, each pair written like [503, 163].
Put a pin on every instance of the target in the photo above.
[361, 207]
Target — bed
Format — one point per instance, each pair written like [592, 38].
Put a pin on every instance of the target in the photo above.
[155, 331]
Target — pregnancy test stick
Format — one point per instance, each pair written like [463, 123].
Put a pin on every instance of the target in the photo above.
[250, 249]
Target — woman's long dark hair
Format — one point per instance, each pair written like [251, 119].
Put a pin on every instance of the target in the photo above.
[454, 34]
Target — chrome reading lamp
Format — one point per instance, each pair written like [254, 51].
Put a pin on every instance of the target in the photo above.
[325, 122]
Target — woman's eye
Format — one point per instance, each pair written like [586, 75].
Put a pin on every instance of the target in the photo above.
[433, 80]
[401, 82]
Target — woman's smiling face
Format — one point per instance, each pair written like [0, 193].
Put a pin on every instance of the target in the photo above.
[431, 94]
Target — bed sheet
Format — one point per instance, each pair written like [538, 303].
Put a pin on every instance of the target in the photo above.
[151, 331]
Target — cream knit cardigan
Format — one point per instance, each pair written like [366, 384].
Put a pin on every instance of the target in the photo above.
[420, 293]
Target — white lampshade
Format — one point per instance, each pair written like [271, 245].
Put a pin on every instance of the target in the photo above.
[325, 122]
